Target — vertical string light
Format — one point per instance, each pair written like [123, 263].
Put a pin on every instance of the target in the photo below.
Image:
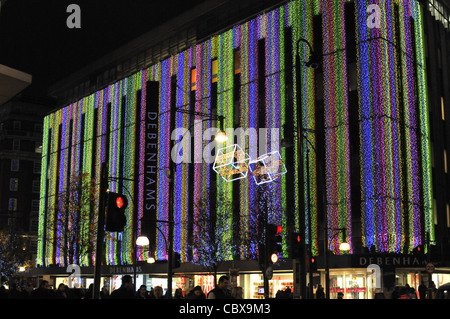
[303, 30]
[225, 106]
[424, 120]
[248, 120]
[336, 122]
[181, 175]
[44, 194]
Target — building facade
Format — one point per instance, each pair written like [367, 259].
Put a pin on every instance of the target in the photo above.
[363, 163]
[20, 167]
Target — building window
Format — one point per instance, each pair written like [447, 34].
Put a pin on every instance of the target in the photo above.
[16, 145]
[38, 128]
[237, 62]
[448, 216]
[37, 167]
[33, 244]
[16, 125]
[35, 205]
[214, 68]
[14, 165]
[193, 79]
[36, 186]
[445, 161]
[13, 184]
[12, 204]
[34, 225]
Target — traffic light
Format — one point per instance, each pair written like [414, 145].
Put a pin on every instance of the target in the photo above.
[176, 260]
[274, 241]
[294, 243]
[313, 263]
[115, 219]
[419, 250]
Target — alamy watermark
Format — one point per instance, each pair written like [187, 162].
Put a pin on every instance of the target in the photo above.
[374, 273]
[73, 21]
[189, 147]
[373, 20]
[74, 279]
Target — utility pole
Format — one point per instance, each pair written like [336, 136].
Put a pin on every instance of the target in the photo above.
[301, 262]
[100, 231]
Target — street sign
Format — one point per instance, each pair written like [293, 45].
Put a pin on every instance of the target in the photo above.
[429, 268]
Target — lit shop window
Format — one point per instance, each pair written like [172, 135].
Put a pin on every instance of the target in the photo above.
[193, 79]
[237, 62]
[439, 12]
[214, 71]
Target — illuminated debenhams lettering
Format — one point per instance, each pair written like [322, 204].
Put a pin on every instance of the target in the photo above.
[392, 261]
[150, 165]
[124, 269]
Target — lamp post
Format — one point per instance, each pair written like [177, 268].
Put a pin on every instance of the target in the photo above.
[143, 241]
[313, 64]
[220, 137]
[344, 246]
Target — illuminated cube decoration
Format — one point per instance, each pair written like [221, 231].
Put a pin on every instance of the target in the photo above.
[231, 163]
[386, 107]
[267, 168]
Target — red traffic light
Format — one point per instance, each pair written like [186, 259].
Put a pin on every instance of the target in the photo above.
[279, 229]
[119, 202]
[298, 238]
[274, 258]
[115, 219]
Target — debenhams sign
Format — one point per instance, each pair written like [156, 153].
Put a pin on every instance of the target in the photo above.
[389, 260]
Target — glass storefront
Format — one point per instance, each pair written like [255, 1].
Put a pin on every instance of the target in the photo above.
[350, 284]
[415, 278]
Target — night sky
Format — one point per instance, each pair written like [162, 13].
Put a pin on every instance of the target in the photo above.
[34, 37]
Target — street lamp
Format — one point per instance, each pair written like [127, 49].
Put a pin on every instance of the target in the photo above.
[344, 246]
[142, 240]
[286, 143]
[221, 137]
[313, 62]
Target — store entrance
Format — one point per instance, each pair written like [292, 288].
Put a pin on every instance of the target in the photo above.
[349, 284]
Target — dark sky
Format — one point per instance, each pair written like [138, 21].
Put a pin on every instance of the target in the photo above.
[34, 37]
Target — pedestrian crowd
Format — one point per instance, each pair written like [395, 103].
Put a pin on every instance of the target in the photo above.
[125, 291]
[221, 291]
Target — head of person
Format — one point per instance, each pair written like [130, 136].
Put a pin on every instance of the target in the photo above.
[143, 289]
[127, 282]
[44, 284]
[237, 292]
[157, 292]
[197, 291]
[224, 282]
